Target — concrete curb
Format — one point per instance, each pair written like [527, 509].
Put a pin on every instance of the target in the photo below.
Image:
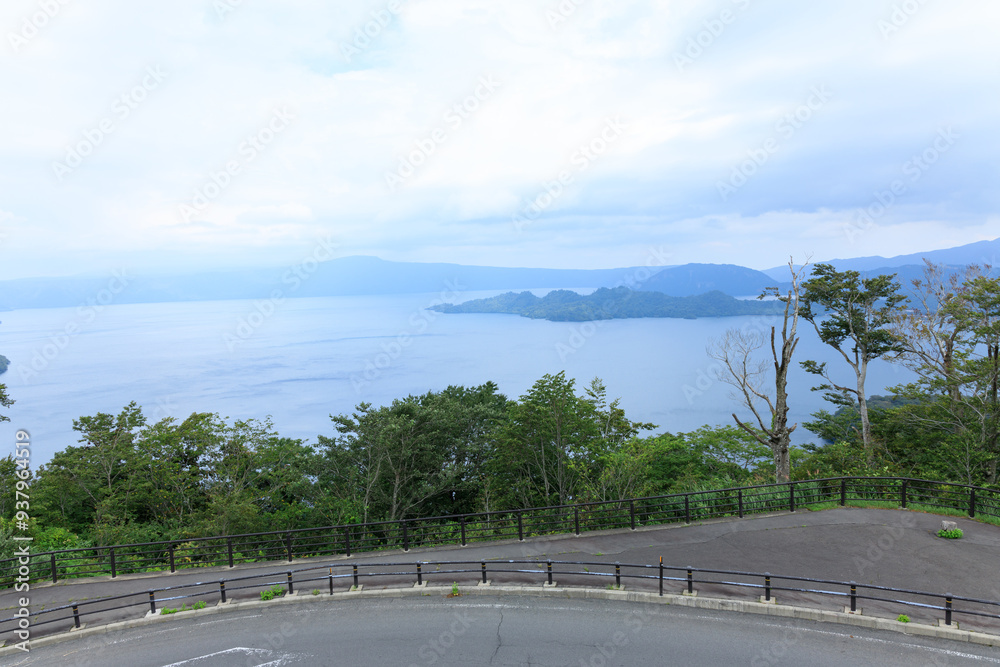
[717, 604]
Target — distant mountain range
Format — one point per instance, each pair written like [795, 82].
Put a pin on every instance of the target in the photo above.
[981, 252]
[359, 275]
[692, 279]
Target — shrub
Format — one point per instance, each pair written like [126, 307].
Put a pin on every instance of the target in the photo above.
[274, 592]
[955, 534]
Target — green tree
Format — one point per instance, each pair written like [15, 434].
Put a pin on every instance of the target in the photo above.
[243, 462]
[554, 445]
[952, 342]
[419, 455]
[5, 401]
[853, 315]
[95, 482]
[172, 461]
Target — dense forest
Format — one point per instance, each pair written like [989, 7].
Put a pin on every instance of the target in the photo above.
[470, 449]
[612, 303]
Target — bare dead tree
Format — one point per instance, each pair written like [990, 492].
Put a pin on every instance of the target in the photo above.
[747, 372]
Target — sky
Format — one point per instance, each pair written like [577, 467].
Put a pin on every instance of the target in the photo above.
[198, 134]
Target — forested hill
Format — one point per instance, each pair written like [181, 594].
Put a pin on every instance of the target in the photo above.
[4, 363]
[610, 304]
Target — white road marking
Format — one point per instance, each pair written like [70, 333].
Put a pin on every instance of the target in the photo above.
[255, 652]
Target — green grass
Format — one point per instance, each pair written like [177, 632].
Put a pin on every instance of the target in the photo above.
[200, 604]
[274, 592]
[903, 618]
[955, 534]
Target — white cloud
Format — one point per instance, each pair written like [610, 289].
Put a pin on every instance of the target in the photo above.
[688, 129]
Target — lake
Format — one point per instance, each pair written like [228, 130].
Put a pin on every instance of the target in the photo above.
[299, 360]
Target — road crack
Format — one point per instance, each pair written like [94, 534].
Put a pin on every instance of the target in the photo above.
[499, 638]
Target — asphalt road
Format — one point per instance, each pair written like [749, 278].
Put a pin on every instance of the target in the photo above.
[882, 547]
[466, 631]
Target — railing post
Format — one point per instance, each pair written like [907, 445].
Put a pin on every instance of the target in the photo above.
[170, 551]
[483, 564]
[420, 574]
[355, 576]
[114, 571]
[288, 546]
[972, 503]
[550, 571]
[767, 586]
[347, 540]
[463, 531]
[152, 603]
[631, 514]
[843, 491]
[661, 576]
[690, 579]
[739, 499]
[55, 570]
[76, 616]
[222, 591]
[331, 581]
[791, 496]
[902, 496]
[854, 596]
[520, 527]
[618, 574]
[406, 538]
[576, 520]
[229, 550]
[289, 579]
[687, 509]
[947, 609]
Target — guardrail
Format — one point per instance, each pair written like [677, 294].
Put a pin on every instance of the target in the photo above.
[345, 540]
[652, 577]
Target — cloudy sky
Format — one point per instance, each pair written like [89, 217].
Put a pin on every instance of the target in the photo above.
[584, 133]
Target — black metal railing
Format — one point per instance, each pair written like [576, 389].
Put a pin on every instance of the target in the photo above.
[653, 578]
[345, 540]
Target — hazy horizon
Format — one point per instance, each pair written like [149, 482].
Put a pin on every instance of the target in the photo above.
[219, 134]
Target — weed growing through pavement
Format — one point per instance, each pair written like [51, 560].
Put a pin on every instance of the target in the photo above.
[274, 592]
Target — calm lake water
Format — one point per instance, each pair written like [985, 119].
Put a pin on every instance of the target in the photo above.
[299, 360]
